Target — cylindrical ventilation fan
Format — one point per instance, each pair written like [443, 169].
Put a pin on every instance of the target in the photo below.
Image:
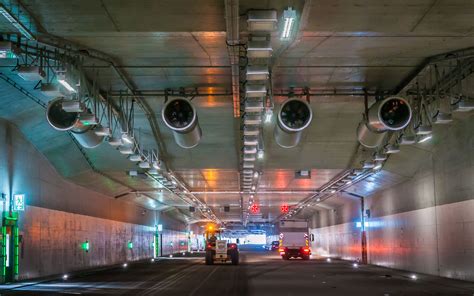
[181, 117]
[294, 116]
[392, 113]
[69, 121]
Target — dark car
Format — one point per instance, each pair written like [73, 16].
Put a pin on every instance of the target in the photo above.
[275, 245]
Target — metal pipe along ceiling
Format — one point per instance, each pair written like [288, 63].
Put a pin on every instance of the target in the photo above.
[233, 40]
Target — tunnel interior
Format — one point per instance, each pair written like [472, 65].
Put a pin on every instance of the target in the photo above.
[334, 150]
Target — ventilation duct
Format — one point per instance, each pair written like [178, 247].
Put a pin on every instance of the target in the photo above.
[392, 113]
[294, 116]
[180, 116]
[62, 120]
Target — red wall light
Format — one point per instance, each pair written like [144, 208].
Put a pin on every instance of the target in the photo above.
[284, 208]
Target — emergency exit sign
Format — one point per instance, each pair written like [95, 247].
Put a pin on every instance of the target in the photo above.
[18, 202]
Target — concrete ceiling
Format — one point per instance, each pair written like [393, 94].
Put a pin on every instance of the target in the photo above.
[170, 44]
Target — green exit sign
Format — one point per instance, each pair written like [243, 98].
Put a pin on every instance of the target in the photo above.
[18, 202]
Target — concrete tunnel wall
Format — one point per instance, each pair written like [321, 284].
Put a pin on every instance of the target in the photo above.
[424, 224]
[60, 215]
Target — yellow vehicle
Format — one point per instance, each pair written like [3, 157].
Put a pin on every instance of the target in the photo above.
[218, 250]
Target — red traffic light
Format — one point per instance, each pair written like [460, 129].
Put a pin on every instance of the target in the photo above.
[254, 208]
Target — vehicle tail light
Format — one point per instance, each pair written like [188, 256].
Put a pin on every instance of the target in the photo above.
[306, 250]
[209, 246]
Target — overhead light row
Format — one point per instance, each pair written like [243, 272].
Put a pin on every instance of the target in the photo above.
[342, 182]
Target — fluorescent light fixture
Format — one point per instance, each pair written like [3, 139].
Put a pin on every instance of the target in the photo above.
[50, 90]
[250, 141]
[443, 118]
[380, 157]
[126, 138]
[289, 17]
[156, 164]
[7, 50]
[391, 149]
[268, 115]
[88, 119]
[249, 157]
[407, 140]
[262, 20]
[255, 90]
[318, 199]
[255, 175]
[259, 49]
[378, 166]
[333, 191]
[251, 131]
[153, 171]
[248, 165]
[425, 138]
[349, 182]
[126, 150]
[132, 173]
[253, 106]
[368, 165]
[250, 150]
[252, 119]
[464, 105]
[115, 141]
[144, 165]
[30, 73]
[423, 130]
[67, 86]
[102, 131]
[257, 72]
[260, 154]
[16, 23]
[73, 106]
[135, 157]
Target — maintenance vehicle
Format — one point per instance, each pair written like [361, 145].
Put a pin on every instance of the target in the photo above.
[219, 250]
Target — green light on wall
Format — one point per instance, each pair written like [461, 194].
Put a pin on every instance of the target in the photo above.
[4, 252]
[85, 246]
[130, 245]
[16, 251]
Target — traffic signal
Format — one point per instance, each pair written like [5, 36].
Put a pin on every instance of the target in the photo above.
[254, 208]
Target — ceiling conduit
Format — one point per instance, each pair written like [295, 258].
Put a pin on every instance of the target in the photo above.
[233, 47]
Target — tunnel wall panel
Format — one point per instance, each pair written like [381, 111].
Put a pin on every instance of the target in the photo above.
[342, 241]
[52, 242]
[424, 224]
[61, 215]
[436, 240]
